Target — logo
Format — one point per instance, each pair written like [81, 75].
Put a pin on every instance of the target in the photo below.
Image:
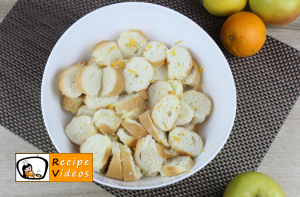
[54, 167]
[32, 167]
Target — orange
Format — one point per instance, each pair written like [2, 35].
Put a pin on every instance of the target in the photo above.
[243, 34]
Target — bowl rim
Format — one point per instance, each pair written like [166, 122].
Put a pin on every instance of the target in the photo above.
[218, 50]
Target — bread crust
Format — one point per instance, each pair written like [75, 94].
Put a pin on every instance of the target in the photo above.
[147, 123]
[72, 105]
[128, 168]
[119, 84]
[174, 170]
[132, 103]
[136, 130]
[115, 169]
[106, 129]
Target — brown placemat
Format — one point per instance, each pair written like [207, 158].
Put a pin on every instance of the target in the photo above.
[267, 87]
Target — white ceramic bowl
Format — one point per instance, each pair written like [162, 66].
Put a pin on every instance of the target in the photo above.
[160, 24]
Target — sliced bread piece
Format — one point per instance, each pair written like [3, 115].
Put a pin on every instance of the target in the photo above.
[158, 135]
[127, 103]
[100, 146]
[170, 153]
[178, 87]
[80, 128]
[158, 90]
[149, 155]
[106, 52]
[120, 65]
[68, 78]
[186, 114]
[138, 74]
[165, 112]
[72, 105]
[132, 43]
[89, 80]
[134, 114]
[179, 63]
[84, 110]
[113, 82]
[199, 102]
[160, 73]
[107, 121]
[115, 169]
[178, 165]
[155, 53]
[131, 172]
[126, 138]
[99, 101]
[194, 77]
[185, 142]
[134, 128]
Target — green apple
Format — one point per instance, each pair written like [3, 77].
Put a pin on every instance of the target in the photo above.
[276, 12]
[253, 184]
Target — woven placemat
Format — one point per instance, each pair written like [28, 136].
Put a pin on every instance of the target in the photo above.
[267, 84]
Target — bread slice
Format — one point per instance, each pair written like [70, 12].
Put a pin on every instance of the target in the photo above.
[84, 110]
[138, 74]
[185, 142]
[165, 112]
[126, 138]
[92, 62]
[199, 102]
[80, 128]
[194, 77]
[158, 90]
[106, 52]
[72, 105]
[127, 103]
[100, 146]
[178, 165]
[155, 53]
[113, 82]
[179, 63]
[115, 169]
[132, 43]
[68, 78]
[131, 172]
[107, 121]
[134, 114]
[170, 153]
[149, 155]
[156, 133]
[186, 114]
[134, 128]
[160, 73]
[120, 65]
[98, 102]
[89, 80]
[178, 87]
